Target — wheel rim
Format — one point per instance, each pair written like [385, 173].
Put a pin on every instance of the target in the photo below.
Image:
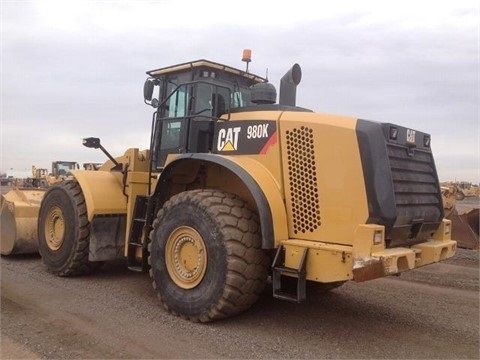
[186, 257]
[55, 228]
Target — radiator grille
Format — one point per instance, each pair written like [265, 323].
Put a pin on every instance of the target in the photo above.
[415, 185]
[302, 174]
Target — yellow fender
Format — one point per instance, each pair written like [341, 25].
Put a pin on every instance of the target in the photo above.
[271, 190]
[256, 178]
[103, 192]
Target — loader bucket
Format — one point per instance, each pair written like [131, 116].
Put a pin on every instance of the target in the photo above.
[465, 229]
[18, 221]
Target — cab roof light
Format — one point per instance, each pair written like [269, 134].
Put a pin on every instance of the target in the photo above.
[426, 141]
[393, 133]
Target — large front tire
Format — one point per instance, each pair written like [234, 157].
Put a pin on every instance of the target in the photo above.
[63, 230]
[206, 257]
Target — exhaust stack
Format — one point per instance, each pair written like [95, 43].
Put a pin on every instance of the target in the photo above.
[288, 86]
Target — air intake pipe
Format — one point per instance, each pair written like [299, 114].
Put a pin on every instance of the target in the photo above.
[288, 86]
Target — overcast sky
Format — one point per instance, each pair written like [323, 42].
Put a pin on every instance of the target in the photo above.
[74, 69]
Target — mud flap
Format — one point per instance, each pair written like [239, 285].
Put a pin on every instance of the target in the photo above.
[107, 237]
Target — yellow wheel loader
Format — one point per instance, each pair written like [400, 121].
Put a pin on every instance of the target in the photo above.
[466, 189]
[18, 220]
[61, 170]
[236, 188]
[19, 208]
[38, 179]
[42, 179]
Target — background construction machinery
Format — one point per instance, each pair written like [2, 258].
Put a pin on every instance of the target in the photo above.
[464, 213]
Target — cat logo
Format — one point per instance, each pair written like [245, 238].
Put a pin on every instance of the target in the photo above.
[411, 136]
[228, 139]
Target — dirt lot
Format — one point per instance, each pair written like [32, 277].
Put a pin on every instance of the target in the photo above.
[429, 313]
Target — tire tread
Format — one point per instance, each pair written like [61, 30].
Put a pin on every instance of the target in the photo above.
[77, 263]
[246, 263]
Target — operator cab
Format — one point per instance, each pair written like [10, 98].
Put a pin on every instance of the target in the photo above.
[189, 98]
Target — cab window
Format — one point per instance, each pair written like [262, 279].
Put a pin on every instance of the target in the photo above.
[171, 138]
[177, 103]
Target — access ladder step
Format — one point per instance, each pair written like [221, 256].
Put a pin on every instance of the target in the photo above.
[297, 276]
[136, 236]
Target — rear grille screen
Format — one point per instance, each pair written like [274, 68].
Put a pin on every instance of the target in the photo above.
[415, 185]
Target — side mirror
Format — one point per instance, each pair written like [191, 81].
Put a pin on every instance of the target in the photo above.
[148, 90]
[91, 142]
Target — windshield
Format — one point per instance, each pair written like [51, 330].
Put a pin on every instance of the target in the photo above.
[240, 98]
[63, 168]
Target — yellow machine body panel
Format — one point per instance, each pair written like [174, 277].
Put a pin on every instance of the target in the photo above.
[103, 192]
[315, 165]
[323, 177]
[269, 154]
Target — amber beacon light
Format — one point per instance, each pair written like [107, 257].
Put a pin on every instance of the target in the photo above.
[247, 56]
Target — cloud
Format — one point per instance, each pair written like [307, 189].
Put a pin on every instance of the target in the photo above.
[75, 69]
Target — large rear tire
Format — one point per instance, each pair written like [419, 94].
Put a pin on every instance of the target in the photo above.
[63, 230]
[206, 257]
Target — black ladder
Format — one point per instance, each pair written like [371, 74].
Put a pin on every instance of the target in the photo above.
[300, 274]
[136, 232]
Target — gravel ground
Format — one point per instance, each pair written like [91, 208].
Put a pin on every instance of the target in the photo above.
[428, 313]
